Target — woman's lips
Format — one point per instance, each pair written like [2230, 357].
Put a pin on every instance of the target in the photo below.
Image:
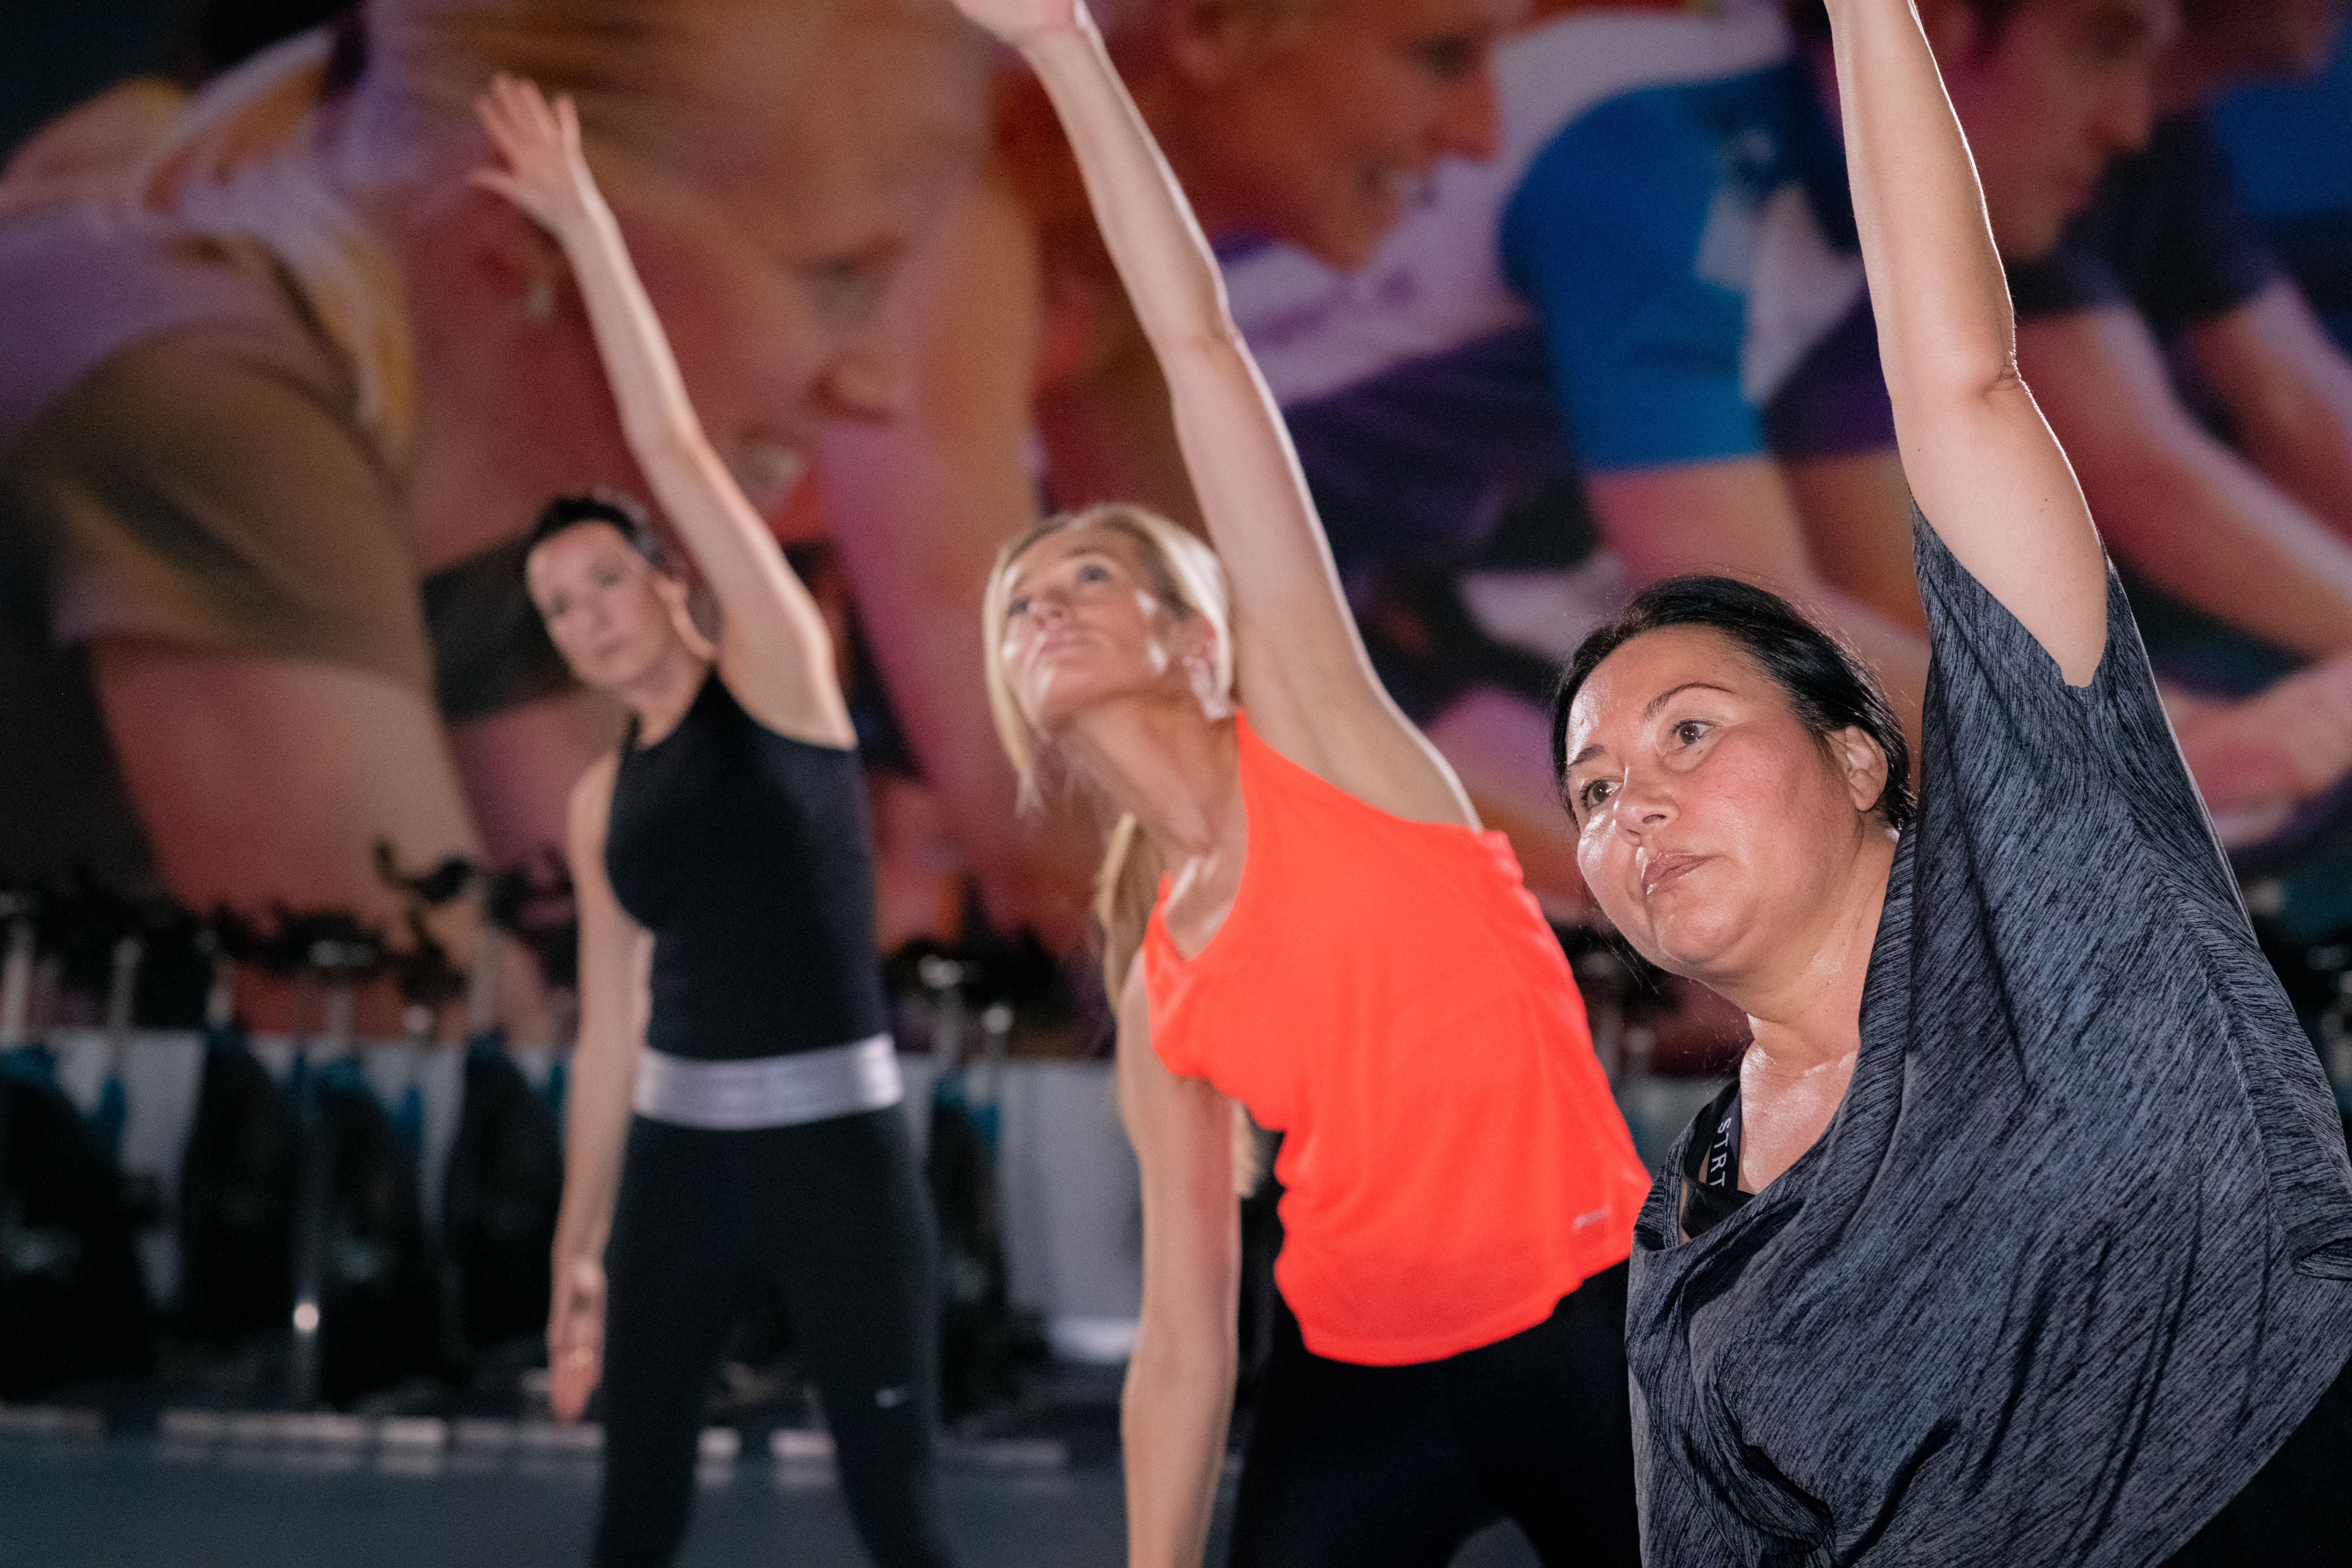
[1667, 868]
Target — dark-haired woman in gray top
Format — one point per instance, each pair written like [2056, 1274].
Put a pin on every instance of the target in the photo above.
[2025, 1235]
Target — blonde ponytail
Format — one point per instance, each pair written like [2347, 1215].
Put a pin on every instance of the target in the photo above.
[1127, 885]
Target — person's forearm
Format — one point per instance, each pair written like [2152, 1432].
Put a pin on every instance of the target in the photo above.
[2288, 389]
[2257, 759]
[2307, 451]
[1983, 464]
[596, 1126]
[2303, 442]
[262, 780]
[1173, 1422]
[1310, 684]
[1165, 261]
[648, 388]
[774, 635]
[773, 632]
[1735, 517]
[1855, 516]
[2179, 508]
[665, 433]
[1938, 287]
[2199, 526]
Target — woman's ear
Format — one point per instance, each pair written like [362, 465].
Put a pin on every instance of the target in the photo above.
[1861, 764]
[678, 598]
[1196, 654]
[515, 263]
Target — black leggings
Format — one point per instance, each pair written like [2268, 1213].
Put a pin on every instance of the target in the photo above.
[1394, 1467]
[833, 1214]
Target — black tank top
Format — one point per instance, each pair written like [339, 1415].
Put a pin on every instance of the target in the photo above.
[750, 857]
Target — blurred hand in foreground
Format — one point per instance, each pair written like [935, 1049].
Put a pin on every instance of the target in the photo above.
[1018, 21]
[575, 1336]
[542, 169]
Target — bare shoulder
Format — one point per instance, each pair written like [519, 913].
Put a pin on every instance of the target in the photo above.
[1358, 741]
[592, 801]
[1148, 1093]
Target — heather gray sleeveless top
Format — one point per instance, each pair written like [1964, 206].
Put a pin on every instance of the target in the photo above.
[2075, 1254]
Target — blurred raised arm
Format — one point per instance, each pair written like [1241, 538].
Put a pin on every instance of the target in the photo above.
[1310, 688]
[774, 649]
[1982, 462]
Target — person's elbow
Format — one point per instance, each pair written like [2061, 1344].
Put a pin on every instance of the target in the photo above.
[1181, 1351]
[669, 443]
[2283, 417]
[1970, 390]
[1188, 1330]
[1206, 343]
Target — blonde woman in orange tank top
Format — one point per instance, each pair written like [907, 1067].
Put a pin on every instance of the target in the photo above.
[1325, 937]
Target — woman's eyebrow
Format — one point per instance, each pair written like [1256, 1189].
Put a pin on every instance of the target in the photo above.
[1662, 697]
[1019, 580]
[1650, 711]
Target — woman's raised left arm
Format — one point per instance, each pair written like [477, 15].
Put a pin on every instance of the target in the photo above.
[774, 647]
[1311, 690]
[1983, 464]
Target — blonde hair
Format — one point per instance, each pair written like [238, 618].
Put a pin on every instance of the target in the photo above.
[1185, 575]
[278, 152]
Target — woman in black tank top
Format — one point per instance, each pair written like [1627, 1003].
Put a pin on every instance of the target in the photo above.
[730, 992]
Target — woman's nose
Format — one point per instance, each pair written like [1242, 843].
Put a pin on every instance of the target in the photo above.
[1645, 799]
[862, 383]
[1472, 125]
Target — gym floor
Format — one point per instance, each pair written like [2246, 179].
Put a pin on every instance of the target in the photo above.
[79, 1498]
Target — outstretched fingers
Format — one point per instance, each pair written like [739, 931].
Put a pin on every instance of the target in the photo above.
[539, 166]
[1016, 20]
[521, 122]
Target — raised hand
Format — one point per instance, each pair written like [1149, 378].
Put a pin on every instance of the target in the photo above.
[1019, 21]
[542, 169]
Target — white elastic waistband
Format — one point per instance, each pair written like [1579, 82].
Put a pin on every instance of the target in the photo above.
[770, 1091]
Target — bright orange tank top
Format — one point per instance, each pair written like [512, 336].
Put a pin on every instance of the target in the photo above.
[1386, 995]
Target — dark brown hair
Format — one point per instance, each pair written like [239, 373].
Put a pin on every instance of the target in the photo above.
[618, 512]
